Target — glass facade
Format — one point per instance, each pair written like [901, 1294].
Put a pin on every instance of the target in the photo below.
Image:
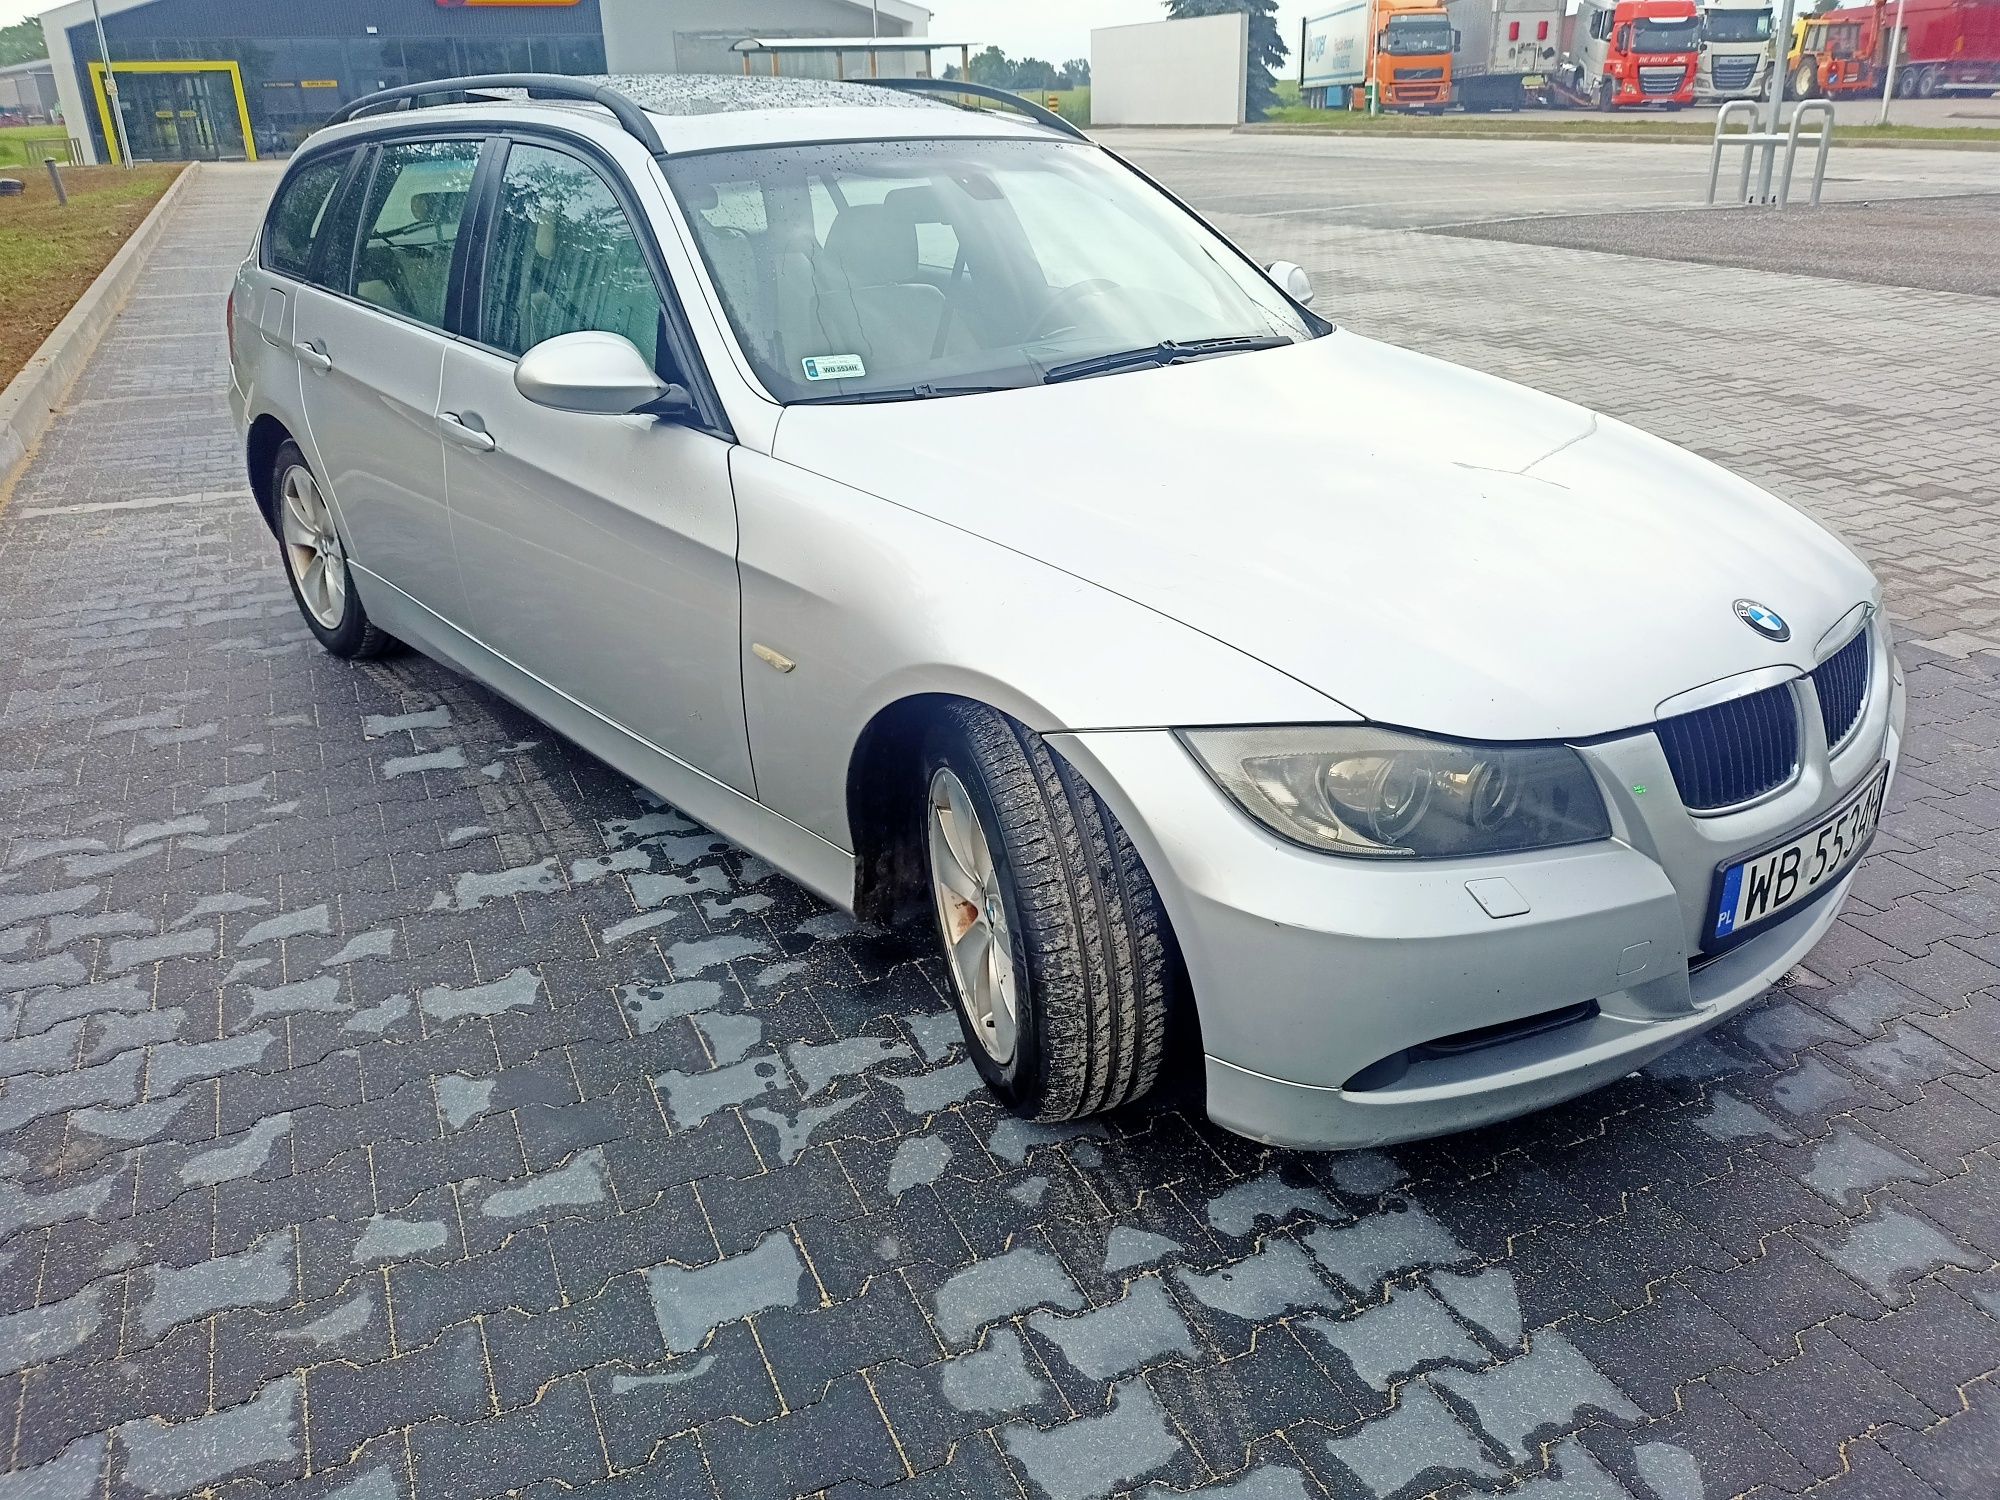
[289, 67]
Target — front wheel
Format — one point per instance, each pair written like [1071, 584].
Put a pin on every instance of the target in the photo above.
[1054, 939]
[316, 562]
[1805, 81]
[1606, 98]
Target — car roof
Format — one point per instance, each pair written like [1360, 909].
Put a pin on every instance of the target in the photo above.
[708, 112]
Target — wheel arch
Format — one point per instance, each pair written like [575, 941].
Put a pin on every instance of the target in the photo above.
[260, 453]
[883, 771]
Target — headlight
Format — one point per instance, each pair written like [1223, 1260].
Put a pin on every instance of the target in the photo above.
[1388, 795]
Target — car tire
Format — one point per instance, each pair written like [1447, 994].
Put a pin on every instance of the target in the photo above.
[1078, 971]
[315, 561]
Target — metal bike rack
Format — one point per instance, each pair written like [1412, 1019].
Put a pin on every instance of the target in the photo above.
[1770, 140]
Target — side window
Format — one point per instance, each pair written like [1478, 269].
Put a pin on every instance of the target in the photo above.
[296, 215]
[411, 226]
[563, 258]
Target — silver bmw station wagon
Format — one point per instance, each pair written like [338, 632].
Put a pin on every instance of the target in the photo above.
[868, 473]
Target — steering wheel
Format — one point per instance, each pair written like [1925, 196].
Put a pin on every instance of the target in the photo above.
[1062, 301]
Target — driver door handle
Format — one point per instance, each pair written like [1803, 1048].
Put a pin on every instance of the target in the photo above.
[456, 429]
[313, 356]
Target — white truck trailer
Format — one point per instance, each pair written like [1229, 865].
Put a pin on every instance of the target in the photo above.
[1736, 50]
[1333, 54]
[1501, 45]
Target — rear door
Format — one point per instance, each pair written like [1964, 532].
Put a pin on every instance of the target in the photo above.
[294, 232]
[598, 552]
[372, 344]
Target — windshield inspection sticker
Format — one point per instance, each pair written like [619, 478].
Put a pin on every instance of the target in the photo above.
[835, 367]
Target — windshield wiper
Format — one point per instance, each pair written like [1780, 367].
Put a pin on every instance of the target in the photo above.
[1169, 352]
[923, 390]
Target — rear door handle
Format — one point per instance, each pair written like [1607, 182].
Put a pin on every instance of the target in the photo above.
[312, 356]
[456, 429]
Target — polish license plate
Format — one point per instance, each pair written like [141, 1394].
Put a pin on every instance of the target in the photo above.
[1755, 891]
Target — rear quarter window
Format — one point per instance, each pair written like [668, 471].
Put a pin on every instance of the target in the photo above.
[298, 212]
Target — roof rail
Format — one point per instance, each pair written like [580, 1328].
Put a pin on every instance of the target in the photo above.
[1027, 107]
[545, 85]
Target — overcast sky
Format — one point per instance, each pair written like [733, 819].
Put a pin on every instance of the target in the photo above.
[1054, 29]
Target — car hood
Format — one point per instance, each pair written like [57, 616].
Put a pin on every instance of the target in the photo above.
[1431, 547]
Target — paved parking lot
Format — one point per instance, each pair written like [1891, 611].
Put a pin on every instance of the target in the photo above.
[394, 1102]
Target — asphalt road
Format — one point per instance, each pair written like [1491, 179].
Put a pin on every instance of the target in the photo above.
[1943, 244]
[1296, 182]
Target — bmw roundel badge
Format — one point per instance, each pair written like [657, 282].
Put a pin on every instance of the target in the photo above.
[1766, 622]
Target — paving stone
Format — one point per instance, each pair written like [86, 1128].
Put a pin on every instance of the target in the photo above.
[552, 1438]
[1004, 1286]
[1551, 1383]
[1419, 1439]
[1092, 1455]
[349, 1404]
[691, 1304]
[1789, 1288]
[520, 1073]
[840, 1438]
[172, 1459]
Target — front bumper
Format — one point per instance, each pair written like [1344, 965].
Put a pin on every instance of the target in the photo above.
[1347, 1003]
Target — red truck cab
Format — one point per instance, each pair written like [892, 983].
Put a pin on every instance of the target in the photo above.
[1631, 52]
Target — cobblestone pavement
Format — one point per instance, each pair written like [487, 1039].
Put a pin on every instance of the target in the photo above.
[397, 1102]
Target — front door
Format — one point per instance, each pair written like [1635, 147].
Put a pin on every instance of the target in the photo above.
[175, 116]
[373, 359]
[598, 552]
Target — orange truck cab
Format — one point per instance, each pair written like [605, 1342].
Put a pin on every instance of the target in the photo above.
[1619, 54]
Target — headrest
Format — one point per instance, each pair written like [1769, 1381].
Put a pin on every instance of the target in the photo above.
[437, 208]
[872, 245]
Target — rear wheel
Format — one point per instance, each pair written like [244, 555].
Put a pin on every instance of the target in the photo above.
[316, 561]
[1925, 85]
[1053, 935]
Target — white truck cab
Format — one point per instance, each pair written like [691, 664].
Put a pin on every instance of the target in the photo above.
[1736, 50]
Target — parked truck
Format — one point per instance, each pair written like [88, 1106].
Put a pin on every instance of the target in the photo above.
[1737, 53]
[1947, 47]
[1402, 47]
[1505, 47]
[1619, 54]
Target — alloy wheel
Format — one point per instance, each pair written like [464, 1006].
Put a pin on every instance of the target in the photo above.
[972, 918]
[312, 548]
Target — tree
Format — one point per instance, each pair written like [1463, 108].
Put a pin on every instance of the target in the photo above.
[1267, 48]
[22, 42]
[993, 67]
[1034, 75]
[1076, 73]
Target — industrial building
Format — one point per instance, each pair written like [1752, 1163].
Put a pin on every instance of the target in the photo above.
[232, 79]
[27, 93]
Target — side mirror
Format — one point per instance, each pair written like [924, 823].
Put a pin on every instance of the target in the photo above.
[1293, 279]
[600, 373]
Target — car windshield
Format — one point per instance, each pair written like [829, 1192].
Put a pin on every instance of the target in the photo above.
[1409, 35]
[914, 268]
[1737, 25]
[1666, 36]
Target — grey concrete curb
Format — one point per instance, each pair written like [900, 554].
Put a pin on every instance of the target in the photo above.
[1979, 142]
[29, 402]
